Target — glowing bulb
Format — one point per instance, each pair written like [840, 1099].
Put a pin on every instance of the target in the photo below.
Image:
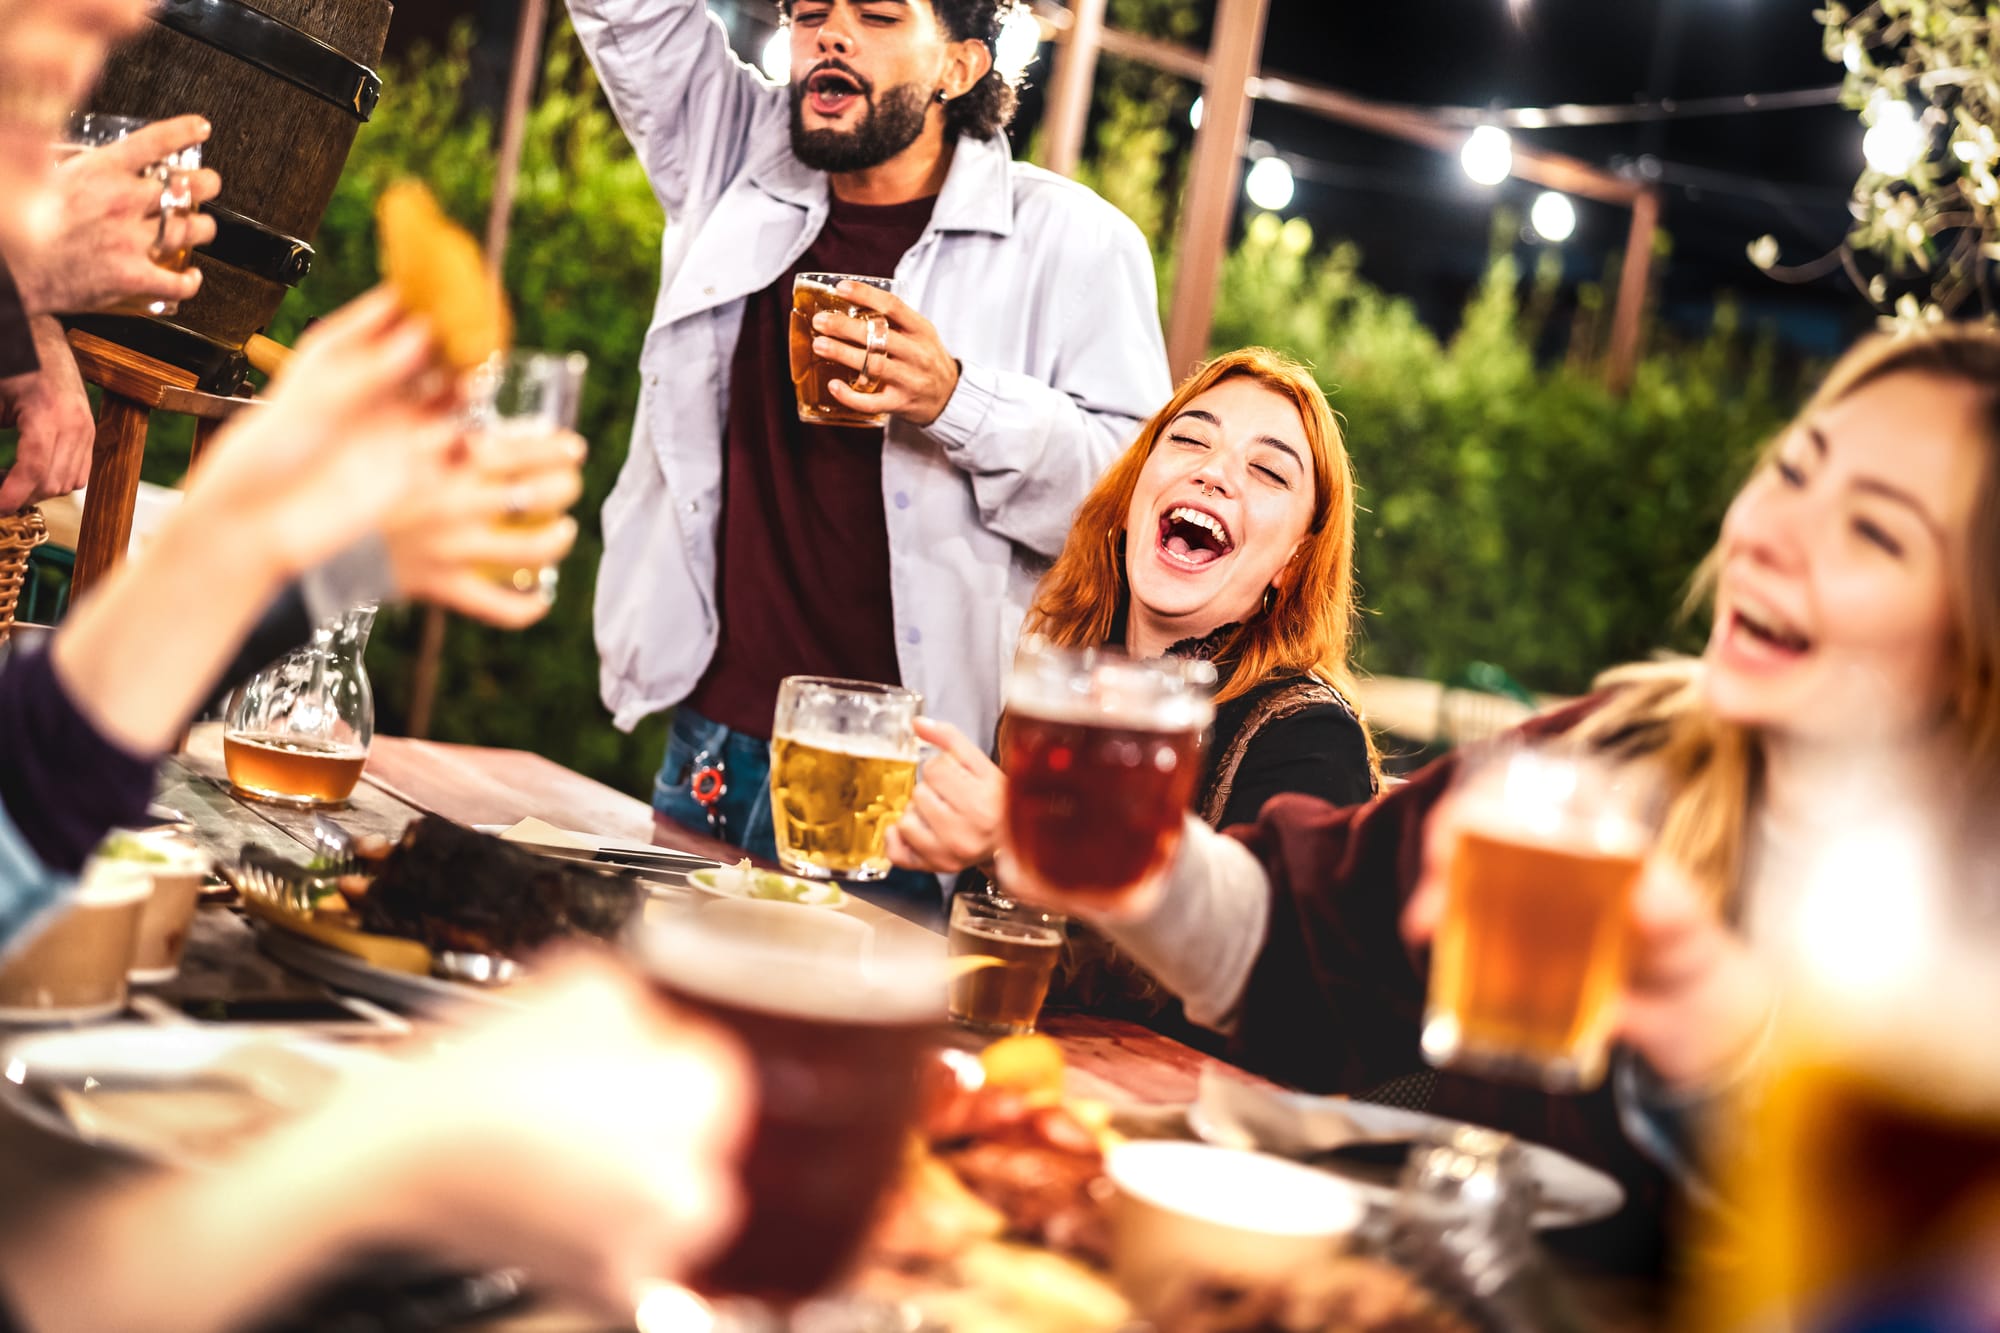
[1019, 42]
[776, 60]
[1553, 216]
[1896, 141]
[1488, 155]
[1850, 56]
[1269, 183]
[1194, 114]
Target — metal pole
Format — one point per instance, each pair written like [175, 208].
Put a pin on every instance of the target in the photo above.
[1068, 114]
[1633, 281]
[507, 170]
[1209, 202]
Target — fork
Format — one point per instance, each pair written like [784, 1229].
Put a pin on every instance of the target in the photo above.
[333, 849]
[269, 877]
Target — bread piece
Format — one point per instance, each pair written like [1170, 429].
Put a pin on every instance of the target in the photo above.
[437, 270]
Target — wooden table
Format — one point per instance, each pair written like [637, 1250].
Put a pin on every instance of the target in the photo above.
[476, 785]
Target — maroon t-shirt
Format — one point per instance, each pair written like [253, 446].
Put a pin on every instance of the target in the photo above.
[802, 577]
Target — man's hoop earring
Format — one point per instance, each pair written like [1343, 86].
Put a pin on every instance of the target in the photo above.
[941, 96]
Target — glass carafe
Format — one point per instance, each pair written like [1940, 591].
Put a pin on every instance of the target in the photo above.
[297, 732]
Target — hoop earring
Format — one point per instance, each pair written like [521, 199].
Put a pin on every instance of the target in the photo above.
[1270, 597]
[941, 97]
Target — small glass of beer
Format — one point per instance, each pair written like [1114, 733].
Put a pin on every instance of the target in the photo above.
[517, 396]
[1530, 955]
[1101, 754]
[93, 129]
[811, 294]
[1022, 943]
[843, 767]
[837, 1041]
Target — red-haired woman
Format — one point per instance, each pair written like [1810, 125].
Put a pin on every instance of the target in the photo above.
[1225, 532]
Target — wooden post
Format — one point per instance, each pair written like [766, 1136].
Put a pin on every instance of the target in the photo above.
[1209, 201]
[506, 171]
[1068, 115]
[114, 489]
[1633, 281]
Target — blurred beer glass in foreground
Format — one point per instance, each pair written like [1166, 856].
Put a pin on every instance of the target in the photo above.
[1101, 755]
[843, 767]
[813, 293]
[836, 1039]
[1530, 955]
[1868, 1165]
[1023, 944]
[515, 396]
[93, 129]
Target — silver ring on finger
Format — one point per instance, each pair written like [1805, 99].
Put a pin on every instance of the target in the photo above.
[878, 346]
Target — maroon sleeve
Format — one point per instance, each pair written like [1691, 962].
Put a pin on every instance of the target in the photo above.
[1335, 1002]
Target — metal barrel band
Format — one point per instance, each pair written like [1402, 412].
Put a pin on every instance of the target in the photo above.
[279, 48]
[245, 243]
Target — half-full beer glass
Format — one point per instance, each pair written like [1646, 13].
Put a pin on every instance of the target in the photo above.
[811, 294]
[1101, 754]
[1529, 958]
[517, 397]
[843, 767]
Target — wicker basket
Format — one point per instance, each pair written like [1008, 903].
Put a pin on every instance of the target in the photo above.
[20, 534]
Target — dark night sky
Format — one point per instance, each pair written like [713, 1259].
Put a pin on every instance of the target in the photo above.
[1424, 228]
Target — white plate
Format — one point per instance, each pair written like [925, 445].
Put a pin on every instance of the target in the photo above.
[195, 1081]
[827, 893]
[1571, 1193]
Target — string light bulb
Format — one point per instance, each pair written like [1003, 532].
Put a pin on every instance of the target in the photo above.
[1488, 155]
[1269, 183]
[1020, 41]
[1553, 217]
[1896, 140]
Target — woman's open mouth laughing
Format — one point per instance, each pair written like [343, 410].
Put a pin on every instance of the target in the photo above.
[1192, 538]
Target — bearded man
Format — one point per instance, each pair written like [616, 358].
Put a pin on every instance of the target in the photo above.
[1023, 346]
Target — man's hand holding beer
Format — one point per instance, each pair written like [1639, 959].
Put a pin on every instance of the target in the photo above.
[107, 229]
[912, 375]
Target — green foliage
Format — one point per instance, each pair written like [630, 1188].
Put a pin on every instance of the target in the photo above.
[1516, 513]
[581, 270]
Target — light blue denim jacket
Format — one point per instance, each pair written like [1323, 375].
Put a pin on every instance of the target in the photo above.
[1042, 290]
[28, 888]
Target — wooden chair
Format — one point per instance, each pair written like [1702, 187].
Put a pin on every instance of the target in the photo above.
[135, 387]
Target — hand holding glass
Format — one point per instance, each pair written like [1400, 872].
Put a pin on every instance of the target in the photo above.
[814, 294]
[90, 129]
[519, 395]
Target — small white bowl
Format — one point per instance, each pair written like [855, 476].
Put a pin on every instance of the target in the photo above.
[724, 882]
[1192, 1210]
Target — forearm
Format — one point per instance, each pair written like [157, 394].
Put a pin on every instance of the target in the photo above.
[1203, 936]
[190, 1253]
[140, 653]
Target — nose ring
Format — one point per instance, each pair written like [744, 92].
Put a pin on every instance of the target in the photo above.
[1207, 490]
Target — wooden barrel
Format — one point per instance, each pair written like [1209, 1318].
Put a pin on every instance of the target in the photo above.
[286, 84]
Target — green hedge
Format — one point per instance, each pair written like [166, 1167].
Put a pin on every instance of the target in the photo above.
[1518, 513]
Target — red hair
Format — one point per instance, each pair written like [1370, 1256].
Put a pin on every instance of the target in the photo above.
[1309, 624]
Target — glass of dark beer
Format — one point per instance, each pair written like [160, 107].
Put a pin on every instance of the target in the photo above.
[811, 294]
[1101, 754]
[837, 1039]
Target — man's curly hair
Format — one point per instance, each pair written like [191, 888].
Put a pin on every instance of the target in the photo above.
[987, 107]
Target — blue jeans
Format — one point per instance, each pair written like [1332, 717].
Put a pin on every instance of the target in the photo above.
[744, 808]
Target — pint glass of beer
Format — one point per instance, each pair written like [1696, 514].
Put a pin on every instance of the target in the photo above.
[812, 293]
[1101, 754]
[843, 767]
[1530, 955]
[1020, 944]
[837, 1041]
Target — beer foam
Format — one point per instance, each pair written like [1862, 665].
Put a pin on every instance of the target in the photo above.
[876, 983]
[1094, 689]
[854, 747]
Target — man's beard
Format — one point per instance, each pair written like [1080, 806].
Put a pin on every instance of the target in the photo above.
[892, 123]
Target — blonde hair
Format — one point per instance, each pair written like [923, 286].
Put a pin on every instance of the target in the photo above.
[1713, 767]
[1308, 624]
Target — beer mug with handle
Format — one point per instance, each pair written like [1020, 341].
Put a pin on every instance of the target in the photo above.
[843, 767]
